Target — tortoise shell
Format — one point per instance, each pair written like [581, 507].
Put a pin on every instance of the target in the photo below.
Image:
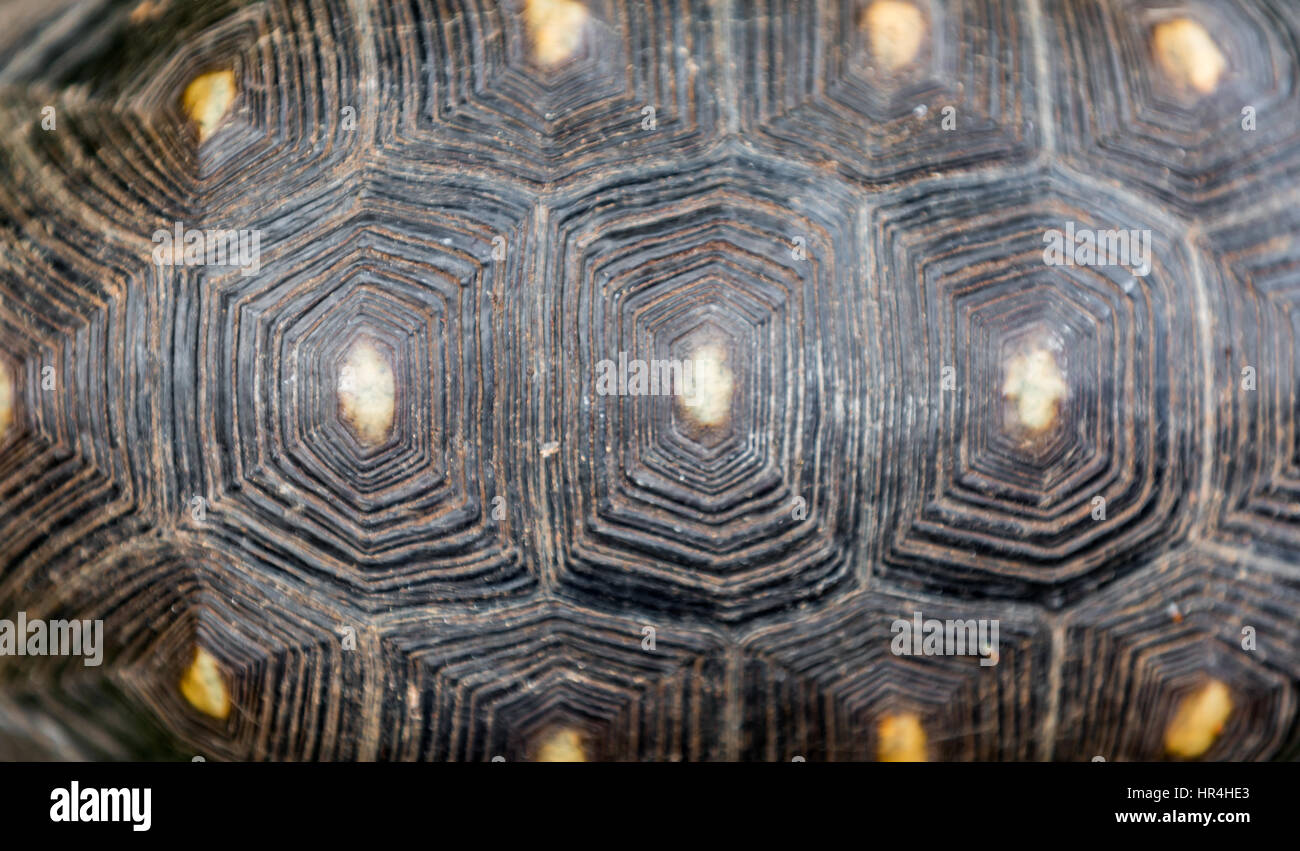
[650, 380]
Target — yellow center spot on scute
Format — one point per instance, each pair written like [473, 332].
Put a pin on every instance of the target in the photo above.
[6, 400]
[901, 739]
[1198, 720]
[203, 686]
[367, 393]
[1034, 383]
[561, 745]
[207, 98]
[1188, 54]
[554, 29]
[895, 30]
[707, 400]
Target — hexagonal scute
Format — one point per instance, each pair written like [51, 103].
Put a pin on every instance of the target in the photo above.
[414, 513]
[1192, 104]
[484, 91]
[552, 682]
[1198, 628]
[1048, 510]
[286, 59]
[952, 681]
[887, 90]
[1254, 284]
[722, 520]
[71, 460]
[184, 637]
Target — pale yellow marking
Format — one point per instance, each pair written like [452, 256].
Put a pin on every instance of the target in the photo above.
[6, 400]
[895, 30]
[1198, 721]
[563, 744]
[207, 98]
[367, 393]
[203, 686]
[148, 11]
[1035, 384]
[1188, 54]
[707, 400]
[901, 739]
[555, 29]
